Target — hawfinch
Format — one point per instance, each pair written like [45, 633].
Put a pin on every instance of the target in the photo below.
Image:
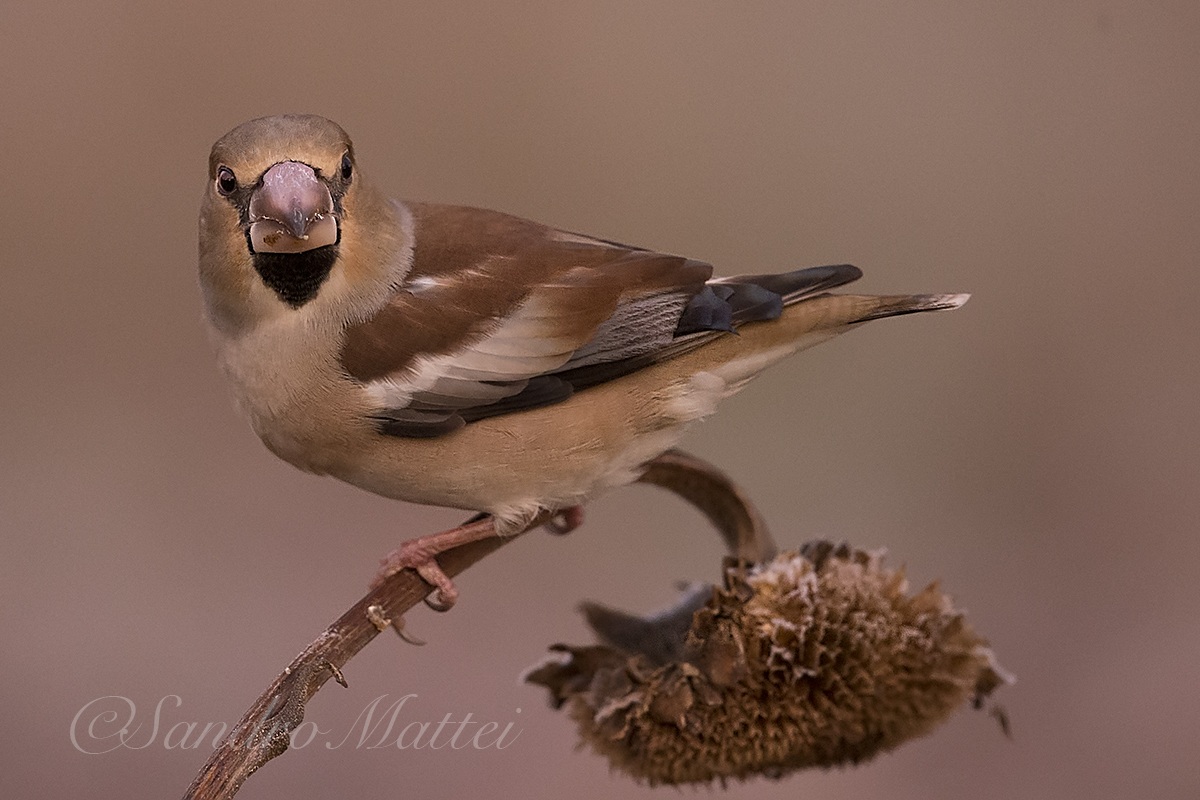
[462, 357]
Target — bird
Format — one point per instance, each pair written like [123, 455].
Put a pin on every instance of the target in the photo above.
[462, 357]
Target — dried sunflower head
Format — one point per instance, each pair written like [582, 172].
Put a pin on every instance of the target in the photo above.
[815, 658]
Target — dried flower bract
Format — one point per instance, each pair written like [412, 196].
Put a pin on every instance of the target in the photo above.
[815, 658]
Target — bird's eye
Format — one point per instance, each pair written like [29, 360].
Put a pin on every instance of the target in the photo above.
[226, 182]
[347, 168]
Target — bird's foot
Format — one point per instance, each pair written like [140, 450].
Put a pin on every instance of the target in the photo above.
[565, 521]
[421, 554]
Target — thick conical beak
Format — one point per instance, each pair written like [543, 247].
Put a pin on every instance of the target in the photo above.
[292, 211]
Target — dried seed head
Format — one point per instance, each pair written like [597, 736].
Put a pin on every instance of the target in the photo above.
[815, 658]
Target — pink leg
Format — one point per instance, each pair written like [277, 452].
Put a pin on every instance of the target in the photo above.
[421, 553]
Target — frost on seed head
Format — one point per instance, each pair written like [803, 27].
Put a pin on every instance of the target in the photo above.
[815, 658]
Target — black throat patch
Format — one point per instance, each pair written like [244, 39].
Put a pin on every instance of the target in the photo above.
[296, 277]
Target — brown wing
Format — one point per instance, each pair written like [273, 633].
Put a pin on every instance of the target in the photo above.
[499, 314]
[496, 308]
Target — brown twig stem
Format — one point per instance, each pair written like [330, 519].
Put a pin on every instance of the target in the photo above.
[264, 730]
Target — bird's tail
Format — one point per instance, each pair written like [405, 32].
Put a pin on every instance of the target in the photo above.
[869, 307]
[804, 322]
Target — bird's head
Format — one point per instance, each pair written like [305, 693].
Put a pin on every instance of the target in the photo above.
[281, 192]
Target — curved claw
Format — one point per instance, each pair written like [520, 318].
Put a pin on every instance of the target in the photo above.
[565, 521]
[402, 631]
[445, 593]
[439, 602]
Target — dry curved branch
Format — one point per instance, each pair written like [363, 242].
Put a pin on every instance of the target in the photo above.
[264, 730]
[725, 504]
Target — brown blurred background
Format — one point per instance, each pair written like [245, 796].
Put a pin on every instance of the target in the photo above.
[1037, 451]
